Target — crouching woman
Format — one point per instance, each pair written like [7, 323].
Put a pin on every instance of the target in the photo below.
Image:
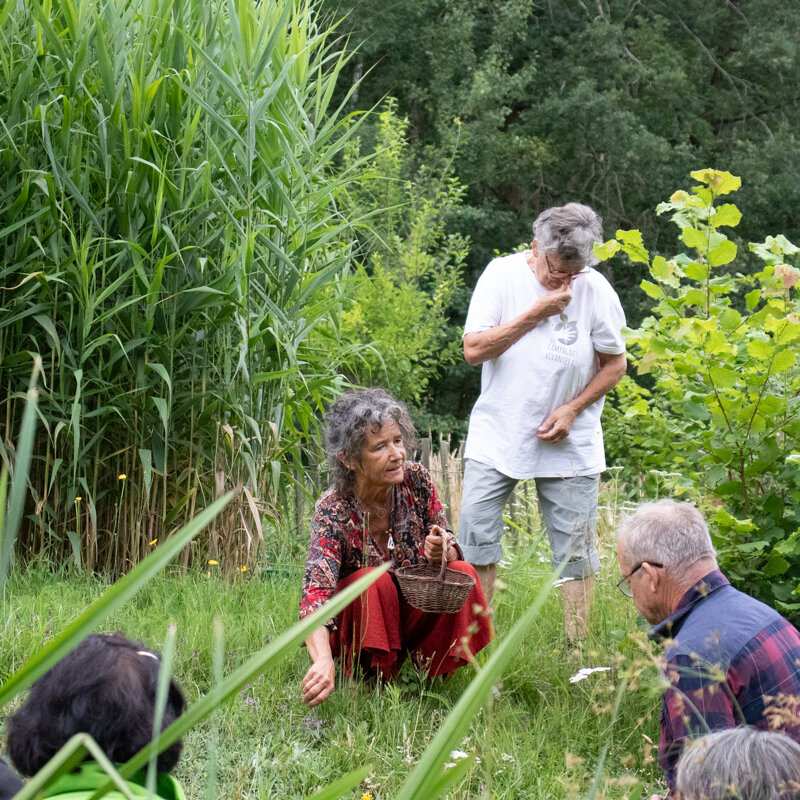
[380, 508]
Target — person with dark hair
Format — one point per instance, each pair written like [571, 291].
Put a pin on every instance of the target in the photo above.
[547, 330]
[740, 764]
[380, 508]
[105, 687]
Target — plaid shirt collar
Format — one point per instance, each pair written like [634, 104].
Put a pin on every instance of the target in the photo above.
[705, 586]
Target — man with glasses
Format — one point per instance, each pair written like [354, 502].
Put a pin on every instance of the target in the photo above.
[547, 329]
[731, 660]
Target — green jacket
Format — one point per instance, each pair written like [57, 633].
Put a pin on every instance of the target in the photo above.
[90, 776]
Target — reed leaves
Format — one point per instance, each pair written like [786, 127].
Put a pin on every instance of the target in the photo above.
[168, 212]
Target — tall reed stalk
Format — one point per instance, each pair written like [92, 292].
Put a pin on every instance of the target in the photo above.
[169, 179]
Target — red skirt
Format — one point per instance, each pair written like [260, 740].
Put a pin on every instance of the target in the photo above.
[379, 629]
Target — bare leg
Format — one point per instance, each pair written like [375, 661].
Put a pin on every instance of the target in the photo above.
[486, 575]
[576, 597]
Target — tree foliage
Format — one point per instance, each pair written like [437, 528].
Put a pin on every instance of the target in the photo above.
[412, 267]
[609, 103]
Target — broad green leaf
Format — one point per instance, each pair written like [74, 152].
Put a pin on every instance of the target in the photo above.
[638, 408]
[719, 182]
[777, 565]
[664, 271]
[727, 214]
[723, 253]
[696, 239]
[783, 360]
[730, 319]
[759, 349]
[723, 377]
[696, 271]
[652, 290]
[752, 298]
[632, 246]
[605, 250]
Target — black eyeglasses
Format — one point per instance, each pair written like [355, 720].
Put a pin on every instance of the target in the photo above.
[624, 583]
[556, 273]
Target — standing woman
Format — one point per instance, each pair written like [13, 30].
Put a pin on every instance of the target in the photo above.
[380, 508]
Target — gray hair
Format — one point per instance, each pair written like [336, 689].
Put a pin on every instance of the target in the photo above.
[742, 763]
[666, 531]
[346, 425]
[570, 232]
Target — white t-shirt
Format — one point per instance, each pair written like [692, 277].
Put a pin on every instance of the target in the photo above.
[547, 367]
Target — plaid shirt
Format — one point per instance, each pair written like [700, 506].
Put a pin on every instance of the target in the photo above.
[731, 661]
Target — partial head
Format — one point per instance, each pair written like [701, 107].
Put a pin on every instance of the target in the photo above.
[348, 422]
[567, 234]
[105, 687]
[742, 764]
[662, 546]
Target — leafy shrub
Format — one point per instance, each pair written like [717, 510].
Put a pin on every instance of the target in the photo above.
[401, 293]
[721, 349]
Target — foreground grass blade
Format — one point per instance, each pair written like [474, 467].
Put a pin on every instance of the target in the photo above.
[65, 760]
[19, 480]
[427, 780]
[111, 601]
[343, 785]
[281, 647]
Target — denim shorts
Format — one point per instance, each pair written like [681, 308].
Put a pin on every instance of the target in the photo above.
[568, 507]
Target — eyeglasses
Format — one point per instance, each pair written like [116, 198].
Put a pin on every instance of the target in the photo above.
[557, 273]
[624, 583]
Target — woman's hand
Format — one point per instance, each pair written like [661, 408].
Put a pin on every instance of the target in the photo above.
[434, 542]
[320, 680]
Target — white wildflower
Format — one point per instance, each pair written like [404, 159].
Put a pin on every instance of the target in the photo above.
[584, 673]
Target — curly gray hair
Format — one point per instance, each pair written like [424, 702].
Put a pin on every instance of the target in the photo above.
[346, 425]
[742, 763]
[570, 232]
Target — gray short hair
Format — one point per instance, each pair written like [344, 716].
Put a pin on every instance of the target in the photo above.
[742, 763]
[347, 422]
[666, 531]
[570, 232]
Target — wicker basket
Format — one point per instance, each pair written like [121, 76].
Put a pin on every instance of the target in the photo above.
[438, 590]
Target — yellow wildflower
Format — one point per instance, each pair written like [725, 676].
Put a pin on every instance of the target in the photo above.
[154, 543]
[78, 499]
[366, 796]
[244, 569]
[213, 562]
[122, 477]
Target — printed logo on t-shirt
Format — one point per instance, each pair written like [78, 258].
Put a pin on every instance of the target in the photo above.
[570, 330]
[560, 349]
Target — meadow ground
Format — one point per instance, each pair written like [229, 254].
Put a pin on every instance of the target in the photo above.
[539, 736]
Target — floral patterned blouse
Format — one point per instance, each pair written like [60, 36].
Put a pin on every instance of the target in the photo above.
[341, 544]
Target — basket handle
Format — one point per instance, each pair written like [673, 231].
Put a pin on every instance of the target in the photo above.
[444, 559]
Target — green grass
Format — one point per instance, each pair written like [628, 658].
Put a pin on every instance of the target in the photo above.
[540, 736]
